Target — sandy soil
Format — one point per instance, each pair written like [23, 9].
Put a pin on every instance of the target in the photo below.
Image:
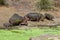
[46, 37]
[7, 12]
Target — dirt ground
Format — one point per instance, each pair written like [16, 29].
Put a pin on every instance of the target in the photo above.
[46, 37]
[7, 12]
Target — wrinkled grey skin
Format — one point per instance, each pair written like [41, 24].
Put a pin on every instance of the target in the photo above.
[49, 17]
[34, 16]
[15, 19]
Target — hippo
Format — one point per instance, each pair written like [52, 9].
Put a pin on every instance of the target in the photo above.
[24, 21]
[35, 16]
[49, 16]
[16, 19]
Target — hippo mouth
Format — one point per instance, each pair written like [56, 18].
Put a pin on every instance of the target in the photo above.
[23, 24]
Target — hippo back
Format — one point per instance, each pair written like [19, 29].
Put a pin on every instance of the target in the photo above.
[15, 19]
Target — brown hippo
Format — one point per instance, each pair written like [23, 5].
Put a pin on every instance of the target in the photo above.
[24, 21]
[16, 19]
[35, 16]
[49, 16]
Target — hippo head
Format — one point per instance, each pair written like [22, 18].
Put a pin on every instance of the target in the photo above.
[24, 21]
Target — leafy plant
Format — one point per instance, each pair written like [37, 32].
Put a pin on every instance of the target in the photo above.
[1, 2]
[44, 4]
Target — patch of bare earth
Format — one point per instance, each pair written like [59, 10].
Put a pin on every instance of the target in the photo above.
[7, 12]
[46, 37]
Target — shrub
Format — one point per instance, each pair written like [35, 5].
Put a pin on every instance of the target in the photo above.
[44, 4]
[1, 2]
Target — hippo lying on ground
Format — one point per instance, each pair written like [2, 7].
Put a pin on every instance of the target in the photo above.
[16, 20]
[35, 16]
[24, 22]
[49, 16]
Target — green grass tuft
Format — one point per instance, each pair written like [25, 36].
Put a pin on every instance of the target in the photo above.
[25, 34]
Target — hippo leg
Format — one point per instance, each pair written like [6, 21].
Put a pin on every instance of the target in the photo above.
[42, 19]
[38, 19]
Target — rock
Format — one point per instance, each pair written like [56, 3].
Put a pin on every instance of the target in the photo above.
[49, 16]
[6, 25]
[34, 16]
[15, 19]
